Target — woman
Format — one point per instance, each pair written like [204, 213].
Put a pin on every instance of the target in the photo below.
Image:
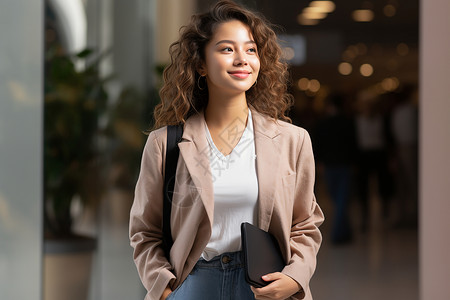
[240, 161]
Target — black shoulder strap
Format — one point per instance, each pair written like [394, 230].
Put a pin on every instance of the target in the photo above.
[174, 134]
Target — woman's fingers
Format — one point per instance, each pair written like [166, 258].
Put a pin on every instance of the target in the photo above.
[281, 287]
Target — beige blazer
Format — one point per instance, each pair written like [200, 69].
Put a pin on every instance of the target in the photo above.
[286, 203]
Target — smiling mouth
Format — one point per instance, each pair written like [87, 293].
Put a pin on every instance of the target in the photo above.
[240, 74]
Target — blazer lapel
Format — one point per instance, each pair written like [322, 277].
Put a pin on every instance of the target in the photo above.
[267, 162]
[195, 152]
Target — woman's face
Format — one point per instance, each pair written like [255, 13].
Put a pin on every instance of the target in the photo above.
[231, 59]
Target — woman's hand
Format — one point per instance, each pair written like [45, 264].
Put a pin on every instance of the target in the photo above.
[281, 287]
[166, 293]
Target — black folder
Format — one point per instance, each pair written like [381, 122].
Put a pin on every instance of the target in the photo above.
[262, 254]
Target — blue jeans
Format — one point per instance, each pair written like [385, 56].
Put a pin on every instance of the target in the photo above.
[221, 278]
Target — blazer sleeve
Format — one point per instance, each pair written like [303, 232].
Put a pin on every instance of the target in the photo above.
[305, 237]
[146, 220]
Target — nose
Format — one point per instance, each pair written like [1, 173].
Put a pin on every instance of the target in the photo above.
[240, 59]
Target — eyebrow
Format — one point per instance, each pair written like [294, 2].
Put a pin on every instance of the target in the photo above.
[233, 42]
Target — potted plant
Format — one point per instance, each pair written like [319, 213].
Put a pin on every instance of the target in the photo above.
[74, 102]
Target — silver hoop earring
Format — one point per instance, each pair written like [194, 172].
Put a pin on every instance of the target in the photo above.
[198, 83]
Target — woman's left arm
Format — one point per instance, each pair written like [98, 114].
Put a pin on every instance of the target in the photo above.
[305, 237]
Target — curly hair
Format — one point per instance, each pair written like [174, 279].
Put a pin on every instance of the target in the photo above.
[180, 94]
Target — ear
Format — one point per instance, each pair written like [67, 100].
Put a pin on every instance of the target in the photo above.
[201, 69]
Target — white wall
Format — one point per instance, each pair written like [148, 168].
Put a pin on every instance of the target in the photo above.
[21, 38]
[435, 150]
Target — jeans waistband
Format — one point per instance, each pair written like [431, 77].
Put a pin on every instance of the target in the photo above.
[224, 261]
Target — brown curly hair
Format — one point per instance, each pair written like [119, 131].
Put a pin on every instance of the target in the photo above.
[181, 96]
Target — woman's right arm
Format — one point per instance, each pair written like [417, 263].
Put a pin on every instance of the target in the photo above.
[146, 219]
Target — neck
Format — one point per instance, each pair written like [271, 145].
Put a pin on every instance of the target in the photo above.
[223, 110]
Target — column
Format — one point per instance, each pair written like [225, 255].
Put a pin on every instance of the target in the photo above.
[21, 136]
[434, 137]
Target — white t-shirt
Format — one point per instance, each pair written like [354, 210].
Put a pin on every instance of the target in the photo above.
[235, 190]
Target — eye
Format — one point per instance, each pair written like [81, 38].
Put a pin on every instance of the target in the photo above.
[253, 50]
[227, 49]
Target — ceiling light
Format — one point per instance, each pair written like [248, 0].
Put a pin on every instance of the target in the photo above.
[345, 68]
[310, 13]
[303, 84]
[312, 9]
[387, 84]
[304, 21]
[362, 15]
[324, 6]
[390, 84]
[389, 10]
[396, 82]
[314, 85]
[366, 70]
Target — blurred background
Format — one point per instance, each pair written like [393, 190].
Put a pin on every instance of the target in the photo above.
[79, 80]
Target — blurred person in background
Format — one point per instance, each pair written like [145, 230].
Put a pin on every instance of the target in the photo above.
[240, 161]
[405, 132]
[335, 149]
[373, 141]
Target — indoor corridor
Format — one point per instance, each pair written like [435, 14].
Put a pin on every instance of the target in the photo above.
[381, 263]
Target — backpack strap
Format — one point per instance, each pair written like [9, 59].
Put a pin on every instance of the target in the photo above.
[174, 134]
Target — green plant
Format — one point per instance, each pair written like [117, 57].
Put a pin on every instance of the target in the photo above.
[75, 100]
[126, 139]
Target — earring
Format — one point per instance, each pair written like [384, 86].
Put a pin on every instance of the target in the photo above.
[198, 83]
